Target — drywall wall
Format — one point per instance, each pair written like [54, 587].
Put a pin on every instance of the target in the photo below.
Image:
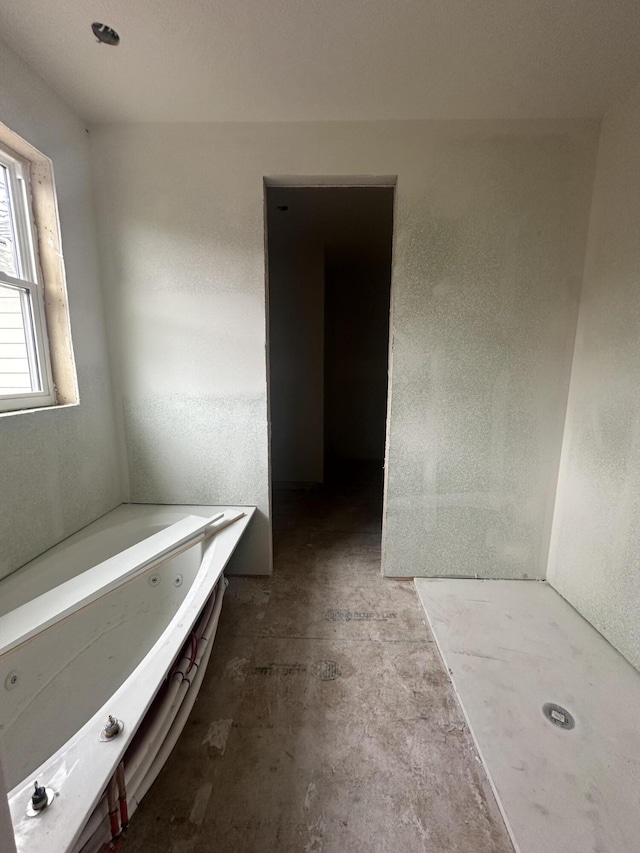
[595, 550]
[488, 264]
[183, 265]
[490, 228]
[59, 467]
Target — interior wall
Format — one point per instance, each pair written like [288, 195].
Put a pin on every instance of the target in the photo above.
[595, 549]
[59, 467]
[183, 263]
[490, 229]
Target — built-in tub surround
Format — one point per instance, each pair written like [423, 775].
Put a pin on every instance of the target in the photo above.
[114, 532]
[118, 629]
[489, 233]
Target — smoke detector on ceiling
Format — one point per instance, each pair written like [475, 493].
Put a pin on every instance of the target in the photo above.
[105, 34]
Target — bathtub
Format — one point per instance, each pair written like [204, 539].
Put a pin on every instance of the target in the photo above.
[118, 620]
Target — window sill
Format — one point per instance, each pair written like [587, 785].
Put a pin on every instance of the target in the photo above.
[39, 409]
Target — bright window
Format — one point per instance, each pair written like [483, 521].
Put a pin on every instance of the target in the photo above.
[25, 363]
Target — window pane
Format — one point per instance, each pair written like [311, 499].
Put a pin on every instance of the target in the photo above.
[8, 259]
[16, 344]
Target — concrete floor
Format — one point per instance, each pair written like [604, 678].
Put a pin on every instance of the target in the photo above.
[326, 721]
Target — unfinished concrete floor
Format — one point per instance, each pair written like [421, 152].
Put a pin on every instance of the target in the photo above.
[326, 721]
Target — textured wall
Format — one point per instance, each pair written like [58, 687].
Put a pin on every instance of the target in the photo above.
[489, 240]
[595, 554]
[489, 250]
[59, 468]
[182, 252]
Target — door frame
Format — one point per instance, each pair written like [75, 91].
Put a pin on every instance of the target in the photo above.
[343, 182]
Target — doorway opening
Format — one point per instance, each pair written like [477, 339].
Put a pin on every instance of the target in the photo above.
[329, 251]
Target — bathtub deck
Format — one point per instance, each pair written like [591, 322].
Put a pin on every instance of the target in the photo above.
[79, 770]
[327, 721]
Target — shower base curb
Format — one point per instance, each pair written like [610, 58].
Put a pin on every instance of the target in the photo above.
[511, 647]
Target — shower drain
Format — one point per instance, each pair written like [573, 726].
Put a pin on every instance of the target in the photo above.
[558, 715]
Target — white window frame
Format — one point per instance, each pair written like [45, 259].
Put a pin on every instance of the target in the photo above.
[29, 285]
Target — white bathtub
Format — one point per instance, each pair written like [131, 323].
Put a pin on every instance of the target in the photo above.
[100, 625]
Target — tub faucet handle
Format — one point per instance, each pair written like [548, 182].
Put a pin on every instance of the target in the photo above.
[112, 728]
[39, 798]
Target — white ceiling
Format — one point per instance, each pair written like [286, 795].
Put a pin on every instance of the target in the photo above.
[289, 60]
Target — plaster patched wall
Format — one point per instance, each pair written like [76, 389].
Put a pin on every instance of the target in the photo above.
[59, 467]
[595, 549]
[490, 229]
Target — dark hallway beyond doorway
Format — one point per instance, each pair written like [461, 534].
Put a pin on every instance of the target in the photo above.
[329, 252]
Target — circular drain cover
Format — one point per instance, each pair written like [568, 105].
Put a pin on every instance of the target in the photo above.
[558, 715]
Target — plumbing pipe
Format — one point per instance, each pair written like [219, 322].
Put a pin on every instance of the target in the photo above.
[112, 793]
[206, 641]
[100, 813]
[169, 720]
[174, 733]
[122, 797]
[153, 743]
